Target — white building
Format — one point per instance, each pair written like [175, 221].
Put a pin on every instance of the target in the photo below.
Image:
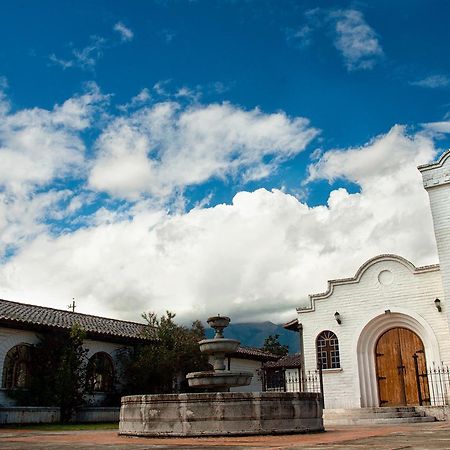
[21, 326]
[370, 331]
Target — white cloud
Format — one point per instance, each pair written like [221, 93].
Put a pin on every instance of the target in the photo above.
[85, 58]
[36, 147]
[436, 128]
[125, 33]
[432, 82]
[356, 40]
[254, 259]
[138, 100]
[160, 150]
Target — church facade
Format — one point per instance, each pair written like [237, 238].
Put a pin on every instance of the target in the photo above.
[377, 334]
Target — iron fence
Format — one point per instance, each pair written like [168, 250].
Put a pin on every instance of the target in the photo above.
[292, 380]
[433, 384]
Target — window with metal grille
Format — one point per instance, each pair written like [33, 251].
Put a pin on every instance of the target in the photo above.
[100, 373]
[16, 368]
[327, 346]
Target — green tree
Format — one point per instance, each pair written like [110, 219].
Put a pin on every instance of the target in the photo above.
[272, 344]
[161, 367]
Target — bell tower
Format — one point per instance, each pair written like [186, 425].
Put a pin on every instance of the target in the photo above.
[436, 180]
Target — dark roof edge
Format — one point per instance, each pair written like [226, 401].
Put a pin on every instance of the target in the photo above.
[74, 313]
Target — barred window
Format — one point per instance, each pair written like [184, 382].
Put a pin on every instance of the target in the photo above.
[327, 346]
[100, 373]
[16, 368]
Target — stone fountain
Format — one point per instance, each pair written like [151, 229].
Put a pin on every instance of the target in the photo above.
[219, 379]
[219, 412]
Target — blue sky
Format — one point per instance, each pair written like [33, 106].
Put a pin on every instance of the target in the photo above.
[184, 155]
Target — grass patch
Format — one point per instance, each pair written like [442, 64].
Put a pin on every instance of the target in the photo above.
[66, 426]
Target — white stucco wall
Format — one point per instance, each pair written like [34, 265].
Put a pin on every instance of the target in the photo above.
[436, 180]
[247, 365]
[10, 337]
[409, 296]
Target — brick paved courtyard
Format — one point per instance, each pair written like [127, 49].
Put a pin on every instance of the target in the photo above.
[412, 436]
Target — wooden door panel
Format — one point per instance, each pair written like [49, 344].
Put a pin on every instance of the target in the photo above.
[390, 380]
[397, 380]
[410, 343]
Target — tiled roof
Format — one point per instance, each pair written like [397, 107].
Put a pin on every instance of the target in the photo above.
[254, 353]
[288, 361]
[33, 316]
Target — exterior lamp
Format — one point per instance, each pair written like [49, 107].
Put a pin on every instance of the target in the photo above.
[337, 316]
[437, 303]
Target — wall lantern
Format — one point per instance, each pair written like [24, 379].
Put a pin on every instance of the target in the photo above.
[337, 316]
[437, 303]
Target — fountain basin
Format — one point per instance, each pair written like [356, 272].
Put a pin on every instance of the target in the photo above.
[220, 414]
[219, 379]
[222, 345]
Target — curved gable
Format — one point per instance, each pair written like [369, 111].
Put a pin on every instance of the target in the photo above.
[362, 270]
[436, 173]
[441, 162]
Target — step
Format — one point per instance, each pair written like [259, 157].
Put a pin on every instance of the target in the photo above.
[371, 413]
[376, 421]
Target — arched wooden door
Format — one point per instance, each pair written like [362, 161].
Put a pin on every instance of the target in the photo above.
[396, 374]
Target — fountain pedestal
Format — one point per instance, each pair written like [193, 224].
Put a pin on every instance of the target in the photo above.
[220, 413]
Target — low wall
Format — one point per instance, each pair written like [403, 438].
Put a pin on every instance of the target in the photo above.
[29, 414]
[35, 414]
[220, 414]
[98, 414]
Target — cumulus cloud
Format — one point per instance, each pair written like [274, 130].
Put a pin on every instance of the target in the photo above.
[125, 33]
[162, 149]
[432, 82]
[254, 259]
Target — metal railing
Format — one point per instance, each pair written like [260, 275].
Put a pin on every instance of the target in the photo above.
[292, 380]
[433, 384]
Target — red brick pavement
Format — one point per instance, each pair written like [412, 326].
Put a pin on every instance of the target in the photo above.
[45, 439]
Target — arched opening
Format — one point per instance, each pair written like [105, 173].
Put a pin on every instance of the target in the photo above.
[16, 368]
[100, 373]
[366, 348]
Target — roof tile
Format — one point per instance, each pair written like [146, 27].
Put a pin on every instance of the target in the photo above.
[33, 315]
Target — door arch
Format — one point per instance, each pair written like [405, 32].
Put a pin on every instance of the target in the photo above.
[395, 353]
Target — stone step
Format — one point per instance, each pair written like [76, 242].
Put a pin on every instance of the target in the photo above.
[372, 410]
[374, 416]
[376, 420]
[367, 413]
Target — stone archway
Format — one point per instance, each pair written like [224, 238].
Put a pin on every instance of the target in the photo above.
[367, 341]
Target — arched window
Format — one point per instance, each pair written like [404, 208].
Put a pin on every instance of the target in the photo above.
[100, 373]
[16, 368]
[327, 346]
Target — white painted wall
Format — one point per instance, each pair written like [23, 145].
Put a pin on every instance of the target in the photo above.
[247, 365]
[10, 337]
[436, 180]
[404, 291]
